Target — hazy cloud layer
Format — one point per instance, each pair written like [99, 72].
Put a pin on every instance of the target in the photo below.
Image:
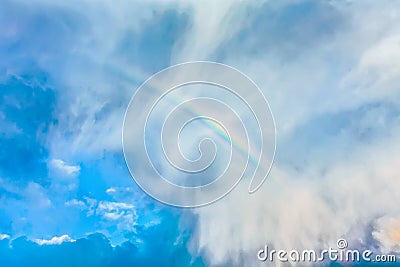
[330, 71]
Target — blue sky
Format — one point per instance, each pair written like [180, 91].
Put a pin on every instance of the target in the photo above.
[330, 71]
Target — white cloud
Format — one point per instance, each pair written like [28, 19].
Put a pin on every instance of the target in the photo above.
[115, 213]
[56, 240]
[306, 209]
[105, 207]
[124, 213]
[61, 167]
[4, 236]
[111, 190]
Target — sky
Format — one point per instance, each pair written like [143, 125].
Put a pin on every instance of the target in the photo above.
[329, 69]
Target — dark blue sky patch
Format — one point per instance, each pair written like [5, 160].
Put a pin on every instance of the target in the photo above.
[27, 108]
[160, 245]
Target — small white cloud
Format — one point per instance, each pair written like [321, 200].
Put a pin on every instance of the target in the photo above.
[4, 236]
[111, 190]
[62, 167]
[120, 213]
[110, 206]
[113, 216]
[56, 240]
[122, 193]
[109, 211]
[75, 202]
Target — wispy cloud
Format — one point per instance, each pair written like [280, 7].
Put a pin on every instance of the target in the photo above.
[63, 168]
